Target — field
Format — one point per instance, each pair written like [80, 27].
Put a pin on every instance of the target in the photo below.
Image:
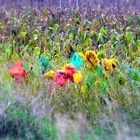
[69, 75]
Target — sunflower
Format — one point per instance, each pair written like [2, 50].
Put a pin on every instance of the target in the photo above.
[50, 74]
[92, 58]
[109, 64]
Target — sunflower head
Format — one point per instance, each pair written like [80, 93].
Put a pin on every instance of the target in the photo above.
[50, 74]
[92, 58]
[109, 64]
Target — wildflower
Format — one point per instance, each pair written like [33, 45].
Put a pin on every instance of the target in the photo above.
[77, 61]
[61, 79]
[109, 64]
[44, 64]
[69, 71]
[78, 77]
[82, 55]
[50, 74]
[92, 58]
[18, 72]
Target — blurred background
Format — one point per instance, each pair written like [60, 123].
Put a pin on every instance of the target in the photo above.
[96, 4]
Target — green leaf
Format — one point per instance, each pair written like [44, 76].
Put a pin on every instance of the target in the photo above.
[134, 74]
[15, 57]
[91, 81]
[27, 66]
[102, 52]
[122, 79]
[129, 37]
[104, 32]
[74, 33]
[50, 44]
[103, 88]
[9, 50]
[115, 48]
[49, 129]
[100, 71]
[137, 44]
[37, 51]
[8, 77]
[32, 73]
[91, 34]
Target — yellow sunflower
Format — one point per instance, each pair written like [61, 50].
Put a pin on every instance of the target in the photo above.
[92, 58]
[50, 74]
[109, 64]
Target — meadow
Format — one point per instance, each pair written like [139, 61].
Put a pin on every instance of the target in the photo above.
[69, 75]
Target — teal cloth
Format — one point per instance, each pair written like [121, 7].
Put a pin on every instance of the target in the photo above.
[77, 61]
[44, 64]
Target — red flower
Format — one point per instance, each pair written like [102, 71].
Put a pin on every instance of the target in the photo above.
[70, 70]
[61, 79]
[18, 72]
[64, 74]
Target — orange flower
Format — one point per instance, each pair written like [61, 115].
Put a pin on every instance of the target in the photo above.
[92, 58]
[18, 72]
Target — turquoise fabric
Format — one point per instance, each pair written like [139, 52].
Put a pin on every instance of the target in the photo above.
[44, 64]
[77, 61]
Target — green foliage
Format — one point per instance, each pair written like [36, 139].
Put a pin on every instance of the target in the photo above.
[27, 66]
[134, 74]
[100, 71]
[129, 37]
[90, 82]
[49, 130]
[20, 123]
[103, 88]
